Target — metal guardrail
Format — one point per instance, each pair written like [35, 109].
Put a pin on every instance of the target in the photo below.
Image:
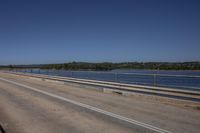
[161, 80]
[120, 88]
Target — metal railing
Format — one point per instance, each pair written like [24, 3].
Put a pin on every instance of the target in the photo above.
[163, 80]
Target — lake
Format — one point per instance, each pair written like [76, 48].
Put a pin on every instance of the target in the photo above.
[163, 78]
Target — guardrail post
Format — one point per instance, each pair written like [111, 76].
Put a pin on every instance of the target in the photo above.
[72, 74]
[154, 79]
[116, 77]
[87, 74]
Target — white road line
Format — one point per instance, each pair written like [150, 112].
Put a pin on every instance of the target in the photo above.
[153, 128]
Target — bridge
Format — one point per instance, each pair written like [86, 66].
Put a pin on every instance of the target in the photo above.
[41, 103]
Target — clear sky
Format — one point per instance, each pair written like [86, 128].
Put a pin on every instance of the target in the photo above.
[38, 31]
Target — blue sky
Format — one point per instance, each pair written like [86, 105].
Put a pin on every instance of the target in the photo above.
[35, 32]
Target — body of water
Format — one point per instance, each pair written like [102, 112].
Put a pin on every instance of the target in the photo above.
[164, 78]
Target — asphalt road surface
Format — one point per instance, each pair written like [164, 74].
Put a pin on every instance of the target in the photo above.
[34, 106]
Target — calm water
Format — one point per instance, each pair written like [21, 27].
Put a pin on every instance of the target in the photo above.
[173, 79]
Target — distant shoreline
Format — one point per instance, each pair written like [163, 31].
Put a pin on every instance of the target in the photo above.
[108, 66]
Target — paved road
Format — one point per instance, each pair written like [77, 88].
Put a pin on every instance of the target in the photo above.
[29, 106]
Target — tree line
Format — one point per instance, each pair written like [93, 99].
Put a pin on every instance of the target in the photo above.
[106, 66]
